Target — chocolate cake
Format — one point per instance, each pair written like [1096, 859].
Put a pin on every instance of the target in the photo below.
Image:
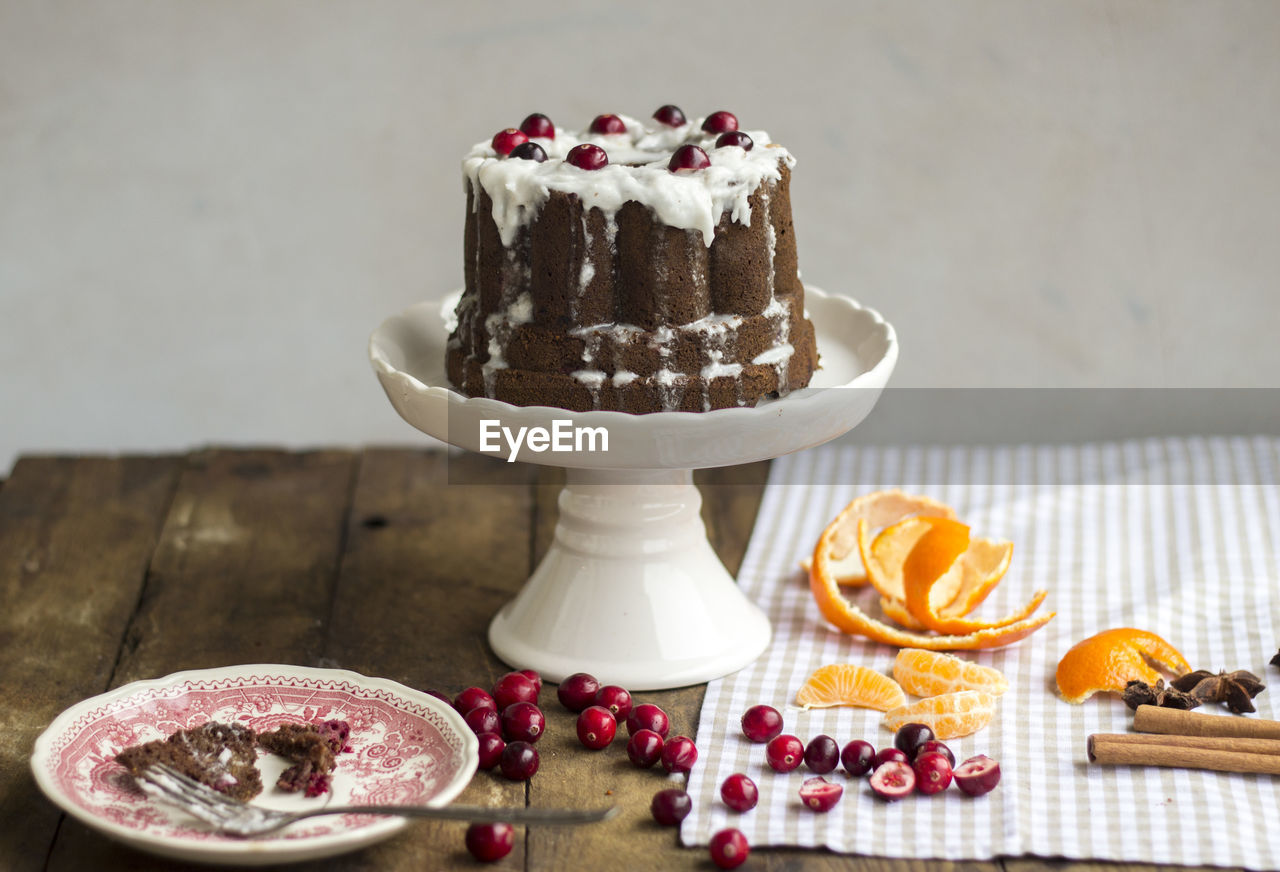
[223, 756]
[311, 748]
[639, 267]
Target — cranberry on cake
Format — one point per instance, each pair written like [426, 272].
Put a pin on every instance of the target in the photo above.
[637, 267]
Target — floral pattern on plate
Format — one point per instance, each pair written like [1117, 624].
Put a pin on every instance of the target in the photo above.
[405, 747]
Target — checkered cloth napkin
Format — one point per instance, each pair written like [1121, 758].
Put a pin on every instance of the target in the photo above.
[1177, 536]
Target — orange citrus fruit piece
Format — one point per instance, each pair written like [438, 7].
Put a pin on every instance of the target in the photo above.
[849, 684]
[878, 509]
[836, 545]
[962, 586]
[937, 547]
[1113, 658]
[848, 618]
[931, 673]
[949, 715]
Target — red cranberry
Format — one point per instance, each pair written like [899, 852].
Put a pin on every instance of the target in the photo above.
[669, 115]
[483, 720]
[679, 754]
[473, 697]
[534, 152]
[933, 772]
[688, 158]
[893, 780]
[940, 747]
[438, 695]
[505, 140]
[538, 124]
[512, 688]
[761, 723]
[644, 748]
[577, 691]
[616, 699]
[910, 737]
[720, 122]
[729, 849]
[648, 716]
[670, 806]
[977, 775]
[857, 757]
[888, 755]
[523, 722]
[735, 137]
[491, 745]
[739, 792]
[608, 124]
[822, 754]
[519, 761]
[784, 753]
[596, 727]
[534, 676]
[490, 842]
[587, 157]
[820, 794]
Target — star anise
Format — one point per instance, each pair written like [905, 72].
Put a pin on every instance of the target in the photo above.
[1237, 689]
[1138, 693]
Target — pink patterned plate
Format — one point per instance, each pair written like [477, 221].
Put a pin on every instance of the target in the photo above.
[406, 747]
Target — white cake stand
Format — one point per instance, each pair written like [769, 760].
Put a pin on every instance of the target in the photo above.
[630, 589]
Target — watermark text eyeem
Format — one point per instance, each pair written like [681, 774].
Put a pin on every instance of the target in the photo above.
[563, 437]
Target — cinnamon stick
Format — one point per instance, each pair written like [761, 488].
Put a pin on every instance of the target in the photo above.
[1104, 748]
[1208, 743]
[1155, 719]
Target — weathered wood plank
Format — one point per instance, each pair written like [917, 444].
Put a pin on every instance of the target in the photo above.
[75, 539]
[243, 572]
[427, 564]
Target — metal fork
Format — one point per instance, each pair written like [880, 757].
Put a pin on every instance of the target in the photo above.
[236, 818]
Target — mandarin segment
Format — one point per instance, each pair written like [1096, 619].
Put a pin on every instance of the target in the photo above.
[849, 684]
[931, 673]
[1109, 660]
[949, 715]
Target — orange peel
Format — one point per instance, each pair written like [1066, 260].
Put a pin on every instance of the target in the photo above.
[959, 590]
[878, 509]
[830, 563]
[1107, 661]
[932, 558]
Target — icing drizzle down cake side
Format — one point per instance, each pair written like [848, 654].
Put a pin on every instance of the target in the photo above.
[635, 267]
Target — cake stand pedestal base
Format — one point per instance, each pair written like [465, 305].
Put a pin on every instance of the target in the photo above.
[630, 589]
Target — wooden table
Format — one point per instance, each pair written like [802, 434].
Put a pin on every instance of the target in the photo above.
[118, 569]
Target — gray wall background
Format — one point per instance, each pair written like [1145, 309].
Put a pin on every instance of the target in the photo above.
[206, 207]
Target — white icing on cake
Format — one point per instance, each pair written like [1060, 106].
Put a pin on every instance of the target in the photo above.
[637, 170]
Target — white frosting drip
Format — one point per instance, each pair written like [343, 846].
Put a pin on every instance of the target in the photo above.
[520, 311]
[716, 370]
[778, 354]
[637, 171]
[623, 377]
[592, 378]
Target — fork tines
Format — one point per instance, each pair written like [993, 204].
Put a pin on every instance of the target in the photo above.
[164, 782]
